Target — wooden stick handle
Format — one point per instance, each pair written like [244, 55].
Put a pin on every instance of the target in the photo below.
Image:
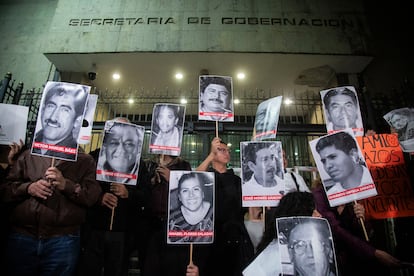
[217, 129]
[363, 226]
[191, 254]
[112, 219]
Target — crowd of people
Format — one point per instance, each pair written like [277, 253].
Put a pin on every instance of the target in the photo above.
[104, 241]
[61, 220]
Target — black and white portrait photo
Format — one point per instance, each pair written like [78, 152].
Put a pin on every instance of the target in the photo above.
[342, 168]
[191, 207]
[267, 118]
[167, 129]
[261, 173]
[120, 153]
[401, 122]
[60, 119]
[306, 246]
[216, 98]
[341, 110]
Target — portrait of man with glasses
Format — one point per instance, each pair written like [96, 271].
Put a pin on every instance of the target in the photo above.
[120, 154]
[309, 244]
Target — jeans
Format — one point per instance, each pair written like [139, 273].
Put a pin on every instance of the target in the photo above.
[53, 256]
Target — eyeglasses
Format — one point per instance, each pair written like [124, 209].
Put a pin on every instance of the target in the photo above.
[300, 246]
[126, 145]
[223, 150]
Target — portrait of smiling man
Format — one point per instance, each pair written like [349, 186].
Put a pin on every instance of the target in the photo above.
[60, 120]
[216, 102]
[120, 154]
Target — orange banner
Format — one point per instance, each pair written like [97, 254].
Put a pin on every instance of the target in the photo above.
[385, 161]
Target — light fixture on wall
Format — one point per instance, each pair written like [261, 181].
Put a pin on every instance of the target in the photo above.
[179, 76]
[241, 75]
[92, 72]
[116, 76]
[288, 101]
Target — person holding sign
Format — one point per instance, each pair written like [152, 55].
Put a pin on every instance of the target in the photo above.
[113, 220]
[232, 248]
[340, 157]
[352, 248]
[195, 212]
[15, 149]
[267, 259]
[216, 99]
[50, 206]
[60, 120]
[161, 258]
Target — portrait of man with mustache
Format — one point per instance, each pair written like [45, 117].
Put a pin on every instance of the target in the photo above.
[60, 117]
[216, 99]
[262, 172]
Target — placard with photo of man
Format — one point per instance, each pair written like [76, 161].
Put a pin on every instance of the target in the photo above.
[216, 98]
[341, 110]
[267, 118]
[59, 120]
[306, 246]
[342, 168]
[261, 173]
[120, 153]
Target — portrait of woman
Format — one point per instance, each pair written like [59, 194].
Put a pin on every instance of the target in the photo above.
[167, 129]
[191, 214]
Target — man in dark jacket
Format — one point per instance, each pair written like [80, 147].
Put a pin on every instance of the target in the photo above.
[110, 229]
[51, 204]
